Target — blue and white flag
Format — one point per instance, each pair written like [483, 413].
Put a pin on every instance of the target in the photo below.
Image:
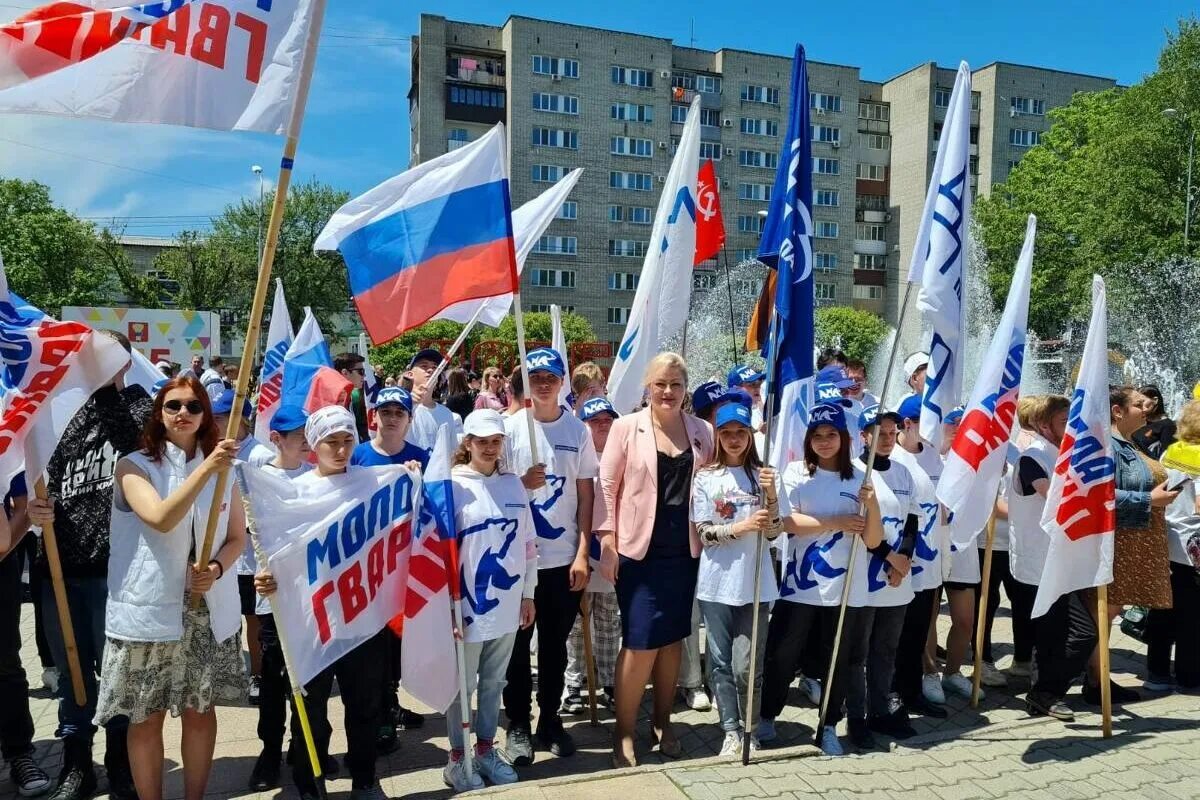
[787, 245]
[664, 293]
[270, 381]
[558, 341]
[939, 260]
[309, 379]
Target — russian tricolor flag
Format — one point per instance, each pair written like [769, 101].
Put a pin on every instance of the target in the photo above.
[309, 379]
[431, 237]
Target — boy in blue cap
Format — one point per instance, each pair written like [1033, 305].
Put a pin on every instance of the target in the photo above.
[749, 380]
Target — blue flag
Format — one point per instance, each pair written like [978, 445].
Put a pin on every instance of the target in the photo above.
[786, 245]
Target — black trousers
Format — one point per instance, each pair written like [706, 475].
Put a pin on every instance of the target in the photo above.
[1177, 626]
[557, 607]
[29, 549]
[787, 634]
[16, 724]
[1064, 638]
[360, 675]
[910, 653]
[1020, 596]
[274, 689]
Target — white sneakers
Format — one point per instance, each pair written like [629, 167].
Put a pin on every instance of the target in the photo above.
[454, 775]
[931, 688]
[992, 676]
[732, 745]
[50, 679]
[494, 769]
[958, 684]
[697, 699]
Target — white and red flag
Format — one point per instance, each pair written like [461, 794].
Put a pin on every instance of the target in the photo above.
[270, 380]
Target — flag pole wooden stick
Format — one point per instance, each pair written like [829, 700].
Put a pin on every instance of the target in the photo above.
[60, 601]
[981, 612]
[254, 326]
[519, 318]
[462, 337]
[585, 612]
[1102, 624]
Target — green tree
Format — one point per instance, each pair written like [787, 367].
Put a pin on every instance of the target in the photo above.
[857, 333]
[210, 271]
[1107, 186]
[142, 290]
[576, 328]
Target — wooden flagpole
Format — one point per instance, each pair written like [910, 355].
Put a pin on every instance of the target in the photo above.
[981, 612]
[254, 326]
[1103, 621]
[60, 600]
[585, 613]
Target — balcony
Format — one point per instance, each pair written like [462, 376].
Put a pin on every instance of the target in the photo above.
[478, 71]
[869, 215]
[870, 247]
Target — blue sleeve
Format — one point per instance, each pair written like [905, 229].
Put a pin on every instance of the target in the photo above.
[1133, 509]
[18, 488]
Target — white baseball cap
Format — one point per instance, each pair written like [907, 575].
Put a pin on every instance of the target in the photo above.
[483, 422]
[325, 422]
[915, 362]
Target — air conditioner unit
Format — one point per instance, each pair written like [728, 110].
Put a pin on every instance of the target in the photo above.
[1012, 112]
[724, 184]
[835, 144]
[662, 178]
[728, 123]
[728, 151]
[820, 112]
[664, 73]
[887, 217]
[556, 78]
[662, 145]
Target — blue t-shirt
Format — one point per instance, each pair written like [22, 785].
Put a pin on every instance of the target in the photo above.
[367, 456]
[15, 489]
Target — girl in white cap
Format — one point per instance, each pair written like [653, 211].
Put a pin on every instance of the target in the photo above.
[498, 557]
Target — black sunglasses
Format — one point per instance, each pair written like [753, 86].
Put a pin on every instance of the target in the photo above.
[192, 406]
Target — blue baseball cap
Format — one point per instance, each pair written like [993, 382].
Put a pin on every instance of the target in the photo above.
[831, 394]
[740, 396]
[288, 418]
[954, 415]
[393, 396]
[872, 415]
[597, 406]
[733, 412]
[836, 375]
[742, 374]
[707, 395]
[223, 405]
[910, 408]
[827, 414]
[544, 359]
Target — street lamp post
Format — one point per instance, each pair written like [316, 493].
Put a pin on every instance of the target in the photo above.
[1187, 201]
[257, 170]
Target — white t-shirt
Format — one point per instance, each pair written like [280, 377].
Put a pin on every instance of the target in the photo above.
[926, 570]
[254, 453]
[565, 447]
[723, 496]
[261, 604]
[427, 421]
[815, 566]
[496, 551]
[1000, 540]
[1182, 520]
[896, 493]
[1028, 542]
[213, 383]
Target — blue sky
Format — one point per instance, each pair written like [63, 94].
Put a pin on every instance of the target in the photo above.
[158, 179]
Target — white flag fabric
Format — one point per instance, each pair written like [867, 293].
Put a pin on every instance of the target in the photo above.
[975, 462]
[529, 223]
[1080, 517]
[664, 293]
[370, 383]
[939, 260]
[222, 64]
[339, 551]
[270, 381]
[144, 374]
[558, 341]
[49, 370]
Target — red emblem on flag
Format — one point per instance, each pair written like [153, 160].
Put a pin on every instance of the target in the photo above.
[710, 230]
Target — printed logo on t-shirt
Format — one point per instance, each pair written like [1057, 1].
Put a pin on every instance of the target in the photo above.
[849, 496]
[877, 569]
[568, 448]
[923, 551]
[91, 472]
[798, 575]
[489, 570]
[542, 526]
[728, 504]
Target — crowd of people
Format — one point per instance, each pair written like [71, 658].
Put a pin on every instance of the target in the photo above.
[654, 528]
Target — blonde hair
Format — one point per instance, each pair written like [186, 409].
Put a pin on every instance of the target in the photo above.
[1188, 429]
[665, 361]
[1025, 410]
[1047, 406]
[585, 375]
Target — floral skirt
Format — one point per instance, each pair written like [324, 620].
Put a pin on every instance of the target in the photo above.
[139, 679]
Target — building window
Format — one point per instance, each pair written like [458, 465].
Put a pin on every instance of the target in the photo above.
[760, 94]
[825, 197]
[635, 215]
[871, 172]
[1023, 138]
[627, 248]
[563, 67]
[758, 158]
[878, 141]
[826, 261]
[749, 223]
[703, 281]
[1028, 105]
[555, 137]
[557, 245]
[760, 127]
[710, 150]
[631, 76]
[708, 84]
[941, 97]
[710, 118]
[618, 316]
[1012, 163]
[865, 230]
[547, 173]
[569, 210]
[868, 292]
[748, 287]
[865, 261]
[629, 146]
[554, 278]
[638, 181]
[678, 114]
[819, 101]
[826, 166]
[826, 133]
[632, 112]
[880, 112]
[827, 230]
[825, 291]
[468, 96]
[556, 103]
[754, 191]
[870, 202]
[622, 281]
[747, 254]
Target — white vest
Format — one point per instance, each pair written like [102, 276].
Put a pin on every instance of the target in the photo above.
[1027, 541]
[147, 570]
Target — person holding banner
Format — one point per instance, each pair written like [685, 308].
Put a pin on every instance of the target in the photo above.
[499, 568]
[825, 503]
[165, 653]
[648, 547]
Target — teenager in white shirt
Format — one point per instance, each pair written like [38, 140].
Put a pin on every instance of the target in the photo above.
[498, 563]
[730, 514]
[428, 415]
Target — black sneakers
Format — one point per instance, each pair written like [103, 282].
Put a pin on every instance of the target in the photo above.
[1044, 704]
[860, 734]
[30, 779]
[895, 725]
[552, 736]
[265, 774]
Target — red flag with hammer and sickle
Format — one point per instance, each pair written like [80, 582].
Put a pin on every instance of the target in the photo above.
[710, 230]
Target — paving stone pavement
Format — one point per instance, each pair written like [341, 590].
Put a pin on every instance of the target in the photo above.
[995, 751]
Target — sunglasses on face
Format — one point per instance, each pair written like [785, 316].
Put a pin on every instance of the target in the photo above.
[175, 406]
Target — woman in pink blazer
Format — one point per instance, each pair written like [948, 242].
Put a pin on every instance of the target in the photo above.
[648, 547]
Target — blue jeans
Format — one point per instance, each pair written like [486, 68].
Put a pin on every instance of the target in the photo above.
[86, 599]
[728, 629]
[487, 667]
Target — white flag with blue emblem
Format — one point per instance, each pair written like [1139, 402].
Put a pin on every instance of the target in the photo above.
[558, 342]
[664, 291]
[270, 380]
[939, 260]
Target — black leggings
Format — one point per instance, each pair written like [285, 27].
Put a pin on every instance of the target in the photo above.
[1020, 596]
[1177, 626]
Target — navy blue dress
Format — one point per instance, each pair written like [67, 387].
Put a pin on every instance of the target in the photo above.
[655, 594]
